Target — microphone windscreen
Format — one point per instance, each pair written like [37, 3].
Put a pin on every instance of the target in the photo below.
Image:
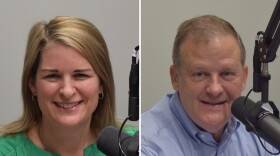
[107, 141]
[238, 107]
[264, 122]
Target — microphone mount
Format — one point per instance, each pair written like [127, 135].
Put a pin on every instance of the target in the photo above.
[133, 104]
[133, 109]
[266, 45]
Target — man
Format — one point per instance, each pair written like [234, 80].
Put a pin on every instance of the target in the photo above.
[208, 74]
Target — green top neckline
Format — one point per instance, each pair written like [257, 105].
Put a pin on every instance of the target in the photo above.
[20, 145]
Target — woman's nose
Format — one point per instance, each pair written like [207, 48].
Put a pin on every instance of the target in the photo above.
[67, 89]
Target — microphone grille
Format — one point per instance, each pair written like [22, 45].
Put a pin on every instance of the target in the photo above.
[107, 140]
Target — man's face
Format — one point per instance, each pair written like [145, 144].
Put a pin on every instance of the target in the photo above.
[209, 79]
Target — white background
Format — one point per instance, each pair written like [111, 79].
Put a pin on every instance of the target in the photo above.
[118, 21]
[160, 20]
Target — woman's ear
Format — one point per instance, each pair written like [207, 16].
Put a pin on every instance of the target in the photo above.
[32, 86]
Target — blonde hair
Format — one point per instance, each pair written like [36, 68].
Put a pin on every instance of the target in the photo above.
[86, 39]
[204, 28]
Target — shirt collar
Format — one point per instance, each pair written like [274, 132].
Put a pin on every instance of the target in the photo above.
[189, 126]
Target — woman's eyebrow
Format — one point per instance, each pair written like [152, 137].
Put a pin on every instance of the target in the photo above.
[83, 70]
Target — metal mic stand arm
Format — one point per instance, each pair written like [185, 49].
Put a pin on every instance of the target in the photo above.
[266, 46]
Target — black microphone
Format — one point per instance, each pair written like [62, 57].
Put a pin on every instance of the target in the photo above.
[267, 126]
[107, 142]
[133, 108]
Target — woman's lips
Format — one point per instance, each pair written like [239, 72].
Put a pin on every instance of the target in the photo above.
[67, 105]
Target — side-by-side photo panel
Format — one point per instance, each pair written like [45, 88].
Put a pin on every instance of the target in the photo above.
[208, 84]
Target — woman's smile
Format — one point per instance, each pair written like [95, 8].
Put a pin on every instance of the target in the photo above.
[67, 105]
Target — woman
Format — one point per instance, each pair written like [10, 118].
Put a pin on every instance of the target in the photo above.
[67, 89]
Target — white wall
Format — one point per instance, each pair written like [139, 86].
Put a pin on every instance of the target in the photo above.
[160, 20]
[118, 21]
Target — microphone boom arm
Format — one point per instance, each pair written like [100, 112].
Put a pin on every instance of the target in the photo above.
[266, 46]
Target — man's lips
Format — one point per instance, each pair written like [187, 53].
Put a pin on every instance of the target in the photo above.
[214, 102]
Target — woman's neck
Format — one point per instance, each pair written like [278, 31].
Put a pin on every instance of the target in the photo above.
[62, 140]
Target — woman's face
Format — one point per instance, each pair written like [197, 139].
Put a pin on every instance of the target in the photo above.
[66, 86]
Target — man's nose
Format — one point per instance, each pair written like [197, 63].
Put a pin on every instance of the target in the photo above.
[214, 87]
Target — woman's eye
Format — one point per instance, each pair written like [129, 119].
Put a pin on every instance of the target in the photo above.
[52, 76]
[81, 76]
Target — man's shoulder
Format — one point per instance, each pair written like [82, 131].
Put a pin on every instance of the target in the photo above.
[130, 129]
[157, 116]
[161, 108]
[158, 121]
[249, 141]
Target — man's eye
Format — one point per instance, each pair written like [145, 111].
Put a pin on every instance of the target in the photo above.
[199, 76]
[228, 75]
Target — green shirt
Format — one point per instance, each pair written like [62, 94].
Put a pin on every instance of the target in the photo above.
[20, 145]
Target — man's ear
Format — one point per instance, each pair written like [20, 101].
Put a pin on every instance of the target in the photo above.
[245, 76]
[174, 74]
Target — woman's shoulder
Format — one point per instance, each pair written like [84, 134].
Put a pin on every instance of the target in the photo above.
[130, 129]
[10, 144]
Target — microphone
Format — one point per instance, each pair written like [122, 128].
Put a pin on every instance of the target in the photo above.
[133, 109]
[107, 142]
[266, 125]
